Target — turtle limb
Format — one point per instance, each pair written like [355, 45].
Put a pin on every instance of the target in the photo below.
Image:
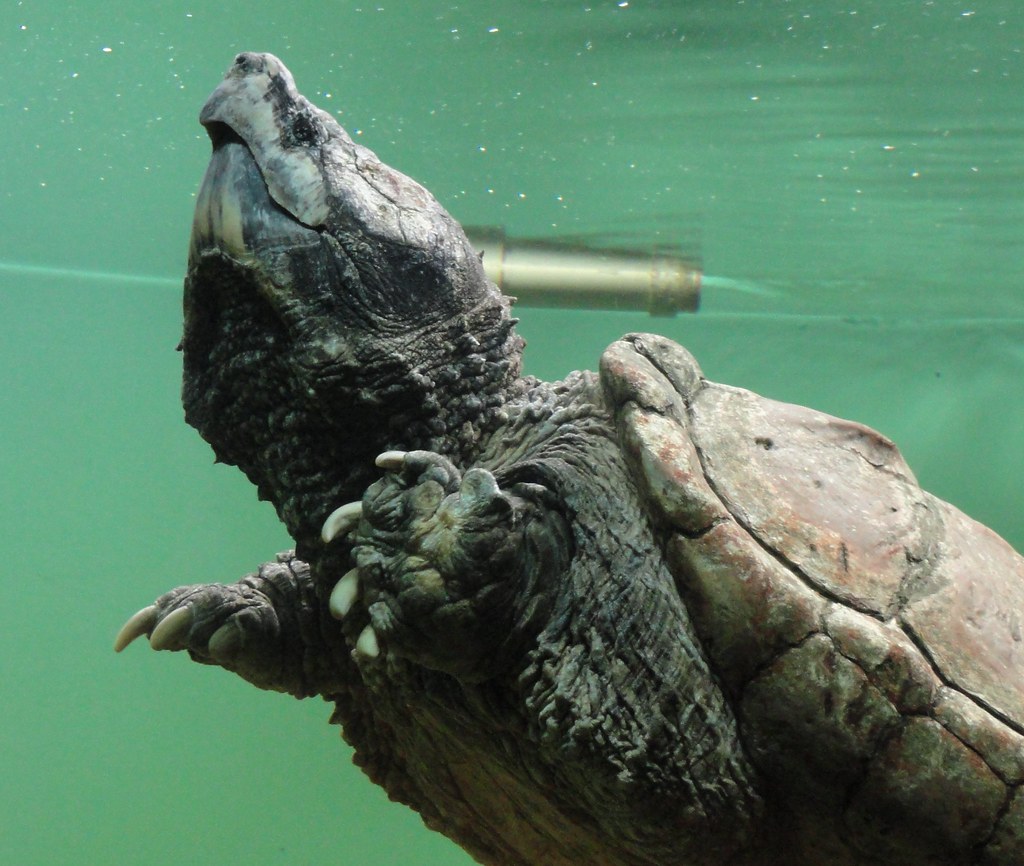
[265, 627]
[450, 567]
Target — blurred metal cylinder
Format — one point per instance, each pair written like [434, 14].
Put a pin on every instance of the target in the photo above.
[550, 274]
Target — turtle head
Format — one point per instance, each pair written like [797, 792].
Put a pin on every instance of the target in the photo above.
[332, 307]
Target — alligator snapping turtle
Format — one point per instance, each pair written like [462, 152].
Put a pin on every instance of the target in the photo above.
[627, 618]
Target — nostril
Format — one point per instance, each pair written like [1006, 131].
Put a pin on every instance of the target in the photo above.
[247, 61]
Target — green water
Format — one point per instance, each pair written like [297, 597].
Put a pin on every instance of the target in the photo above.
[851, 173]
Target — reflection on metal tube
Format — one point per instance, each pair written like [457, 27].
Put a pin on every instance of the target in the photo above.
[549, 274]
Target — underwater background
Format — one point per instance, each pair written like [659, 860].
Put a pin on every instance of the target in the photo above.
[850, 173]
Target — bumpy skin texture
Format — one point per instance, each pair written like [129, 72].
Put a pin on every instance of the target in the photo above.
[626, 618]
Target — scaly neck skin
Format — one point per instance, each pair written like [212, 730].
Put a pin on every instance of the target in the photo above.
[306, 433]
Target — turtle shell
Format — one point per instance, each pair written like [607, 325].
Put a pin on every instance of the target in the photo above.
[867, 634]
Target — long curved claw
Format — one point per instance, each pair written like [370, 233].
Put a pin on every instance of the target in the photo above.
[341, 520]
[170, 630]
[344, 594]
[137, 625]
[366, 644]
[225, 642]
[393, 460]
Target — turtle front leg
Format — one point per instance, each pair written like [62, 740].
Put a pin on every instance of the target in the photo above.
[265, 628]
[452, 571]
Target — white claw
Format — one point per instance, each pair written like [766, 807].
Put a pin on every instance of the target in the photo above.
[393, 460]
[367, 644]
[172, 627]
[225, 642]
[344, 594]
[341, 520]
[138, 624]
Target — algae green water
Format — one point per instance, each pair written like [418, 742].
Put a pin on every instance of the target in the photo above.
[850, 171]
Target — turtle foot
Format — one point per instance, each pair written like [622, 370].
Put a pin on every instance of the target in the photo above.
[208, 620]
[253, 627]
[437, 556]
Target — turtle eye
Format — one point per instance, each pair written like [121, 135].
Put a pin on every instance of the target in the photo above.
[304, 130]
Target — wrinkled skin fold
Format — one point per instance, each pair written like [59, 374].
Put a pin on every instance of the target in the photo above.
[631, 618]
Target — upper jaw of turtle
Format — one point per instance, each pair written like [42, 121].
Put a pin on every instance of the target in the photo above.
[264, 189]
[283, 131]
[311, 167]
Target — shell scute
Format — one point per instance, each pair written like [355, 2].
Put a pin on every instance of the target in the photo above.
[669, 468]
[926, 799]
[1006, 845]
[1000, 746]
[831, 497]
[887, 656]
[630, 377]
[969, 616]
[812, 718]
[746, 606]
